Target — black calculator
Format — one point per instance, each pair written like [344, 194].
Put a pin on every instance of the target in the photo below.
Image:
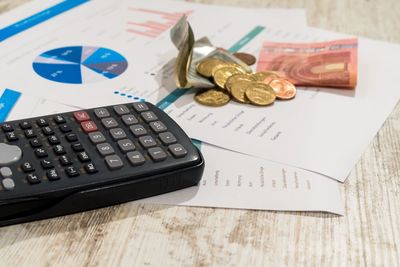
[71, 162]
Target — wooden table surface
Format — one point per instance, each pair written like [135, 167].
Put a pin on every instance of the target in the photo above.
[153, 235]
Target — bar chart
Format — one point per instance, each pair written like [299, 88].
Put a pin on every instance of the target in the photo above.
[159, 22]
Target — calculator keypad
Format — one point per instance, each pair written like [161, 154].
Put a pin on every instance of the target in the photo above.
[71, 148]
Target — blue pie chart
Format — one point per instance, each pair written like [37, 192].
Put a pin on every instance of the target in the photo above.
[80, 64]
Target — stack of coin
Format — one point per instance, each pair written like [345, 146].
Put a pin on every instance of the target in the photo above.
[232, 81]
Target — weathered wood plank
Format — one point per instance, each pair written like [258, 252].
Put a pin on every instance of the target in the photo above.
[155, 235]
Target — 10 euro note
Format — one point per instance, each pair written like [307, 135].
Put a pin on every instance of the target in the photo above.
[323, 64]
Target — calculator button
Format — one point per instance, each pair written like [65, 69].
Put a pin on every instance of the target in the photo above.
[129, 119]
[71, 137]
[32, 178]
[8, 184]
[157, 154]
[6, 172]
[158, 126]
[121, 110]
[46, 164]
[59, 119]
[83, 157]
[41, 153]
[59, 150]
[42, 122]
[135, 158]
[109, 123]
[177, 150]
[27, 167]
[35, 143]
[147, 141]
[7, 127]
[64, 128]
[89, 126]
[53, 175]
[126, 145]
[25, 125]
[77, 147]
[101, 113]
[65, 160]
[9, 154]
[105, 149]
[47, 130]
[138, 130]
[117, 134]
[72, 171]
[97, 137]
[81, 116]
[53, 140]
[149, 116]
[29, 133]
[90, 168]
[167, 138]
[11, 136]
[140, 107]
[114, 162]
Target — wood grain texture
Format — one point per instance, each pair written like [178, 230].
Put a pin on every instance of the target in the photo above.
[152, 235]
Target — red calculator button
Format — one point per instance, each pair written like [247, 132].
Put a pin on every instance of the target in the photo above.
[89, 126]
[81, 116]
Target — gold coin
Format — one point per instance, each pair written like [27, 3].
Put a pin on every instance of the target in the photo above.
[222, 75]
[262, 76]
[283, 89]
[206, 66]
[212, 97]
[260, 94]
[238, 77]
[238, 90]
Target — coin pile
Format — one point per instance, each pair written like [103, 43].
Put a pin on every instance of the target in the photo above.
[233, 82]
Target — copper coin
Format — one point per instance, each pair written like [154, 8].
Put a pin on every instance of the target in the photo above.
[246, 58]
[283, 89]
[269, 78]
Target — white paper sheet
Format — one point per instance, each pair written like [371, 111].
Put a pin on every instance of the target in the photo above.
[259, 183]
[238, 181]
[323, 130]
[234, 180]
[114, 25]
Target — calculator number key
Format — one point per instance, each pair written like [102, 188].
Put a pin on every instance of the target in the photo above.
[105, 149]
[114, 162]
[97, 137]
[177, 150]
[117, 134]
[147, 141]
[138, 130]
[126, 145]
